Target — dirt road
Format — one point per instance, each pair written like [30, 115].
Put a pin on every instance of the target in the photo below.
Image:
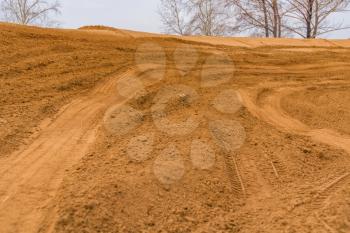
[270, 110]
[31, 176]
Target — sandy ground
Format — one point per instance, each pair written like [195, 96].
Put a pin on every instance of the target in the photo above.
[235, 41]
[118, 131]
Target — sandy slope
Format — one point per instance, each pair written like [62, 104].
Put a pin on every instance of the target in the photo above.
[75, 176]
[235, 41]
[259, 42]
[31, 177]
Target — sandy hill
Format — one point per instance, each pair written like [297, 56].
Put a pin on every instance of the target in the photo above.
[109, 130]
[228, 41]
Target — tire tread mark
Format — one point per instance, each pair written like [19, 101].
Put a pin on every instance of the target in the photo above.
[233, 174]
[326, 191]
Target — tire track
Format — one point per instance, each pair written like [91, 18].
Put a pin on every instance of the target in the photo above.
[30, 177]
[39, 142]
[322, 197]
[233, 174]
[232, 168]
[272, 112]
[269, 110]
[277, 165]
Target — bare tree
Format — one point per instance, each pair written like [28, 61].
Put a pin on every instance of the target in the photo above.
[212, 18]
[308, 18]
[202, 17]
[268, 18]
[35, 12]
[173, 16]
[265, 17]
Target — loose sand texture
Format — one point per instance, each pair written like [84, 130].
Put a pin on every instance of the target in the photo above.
[110, 130]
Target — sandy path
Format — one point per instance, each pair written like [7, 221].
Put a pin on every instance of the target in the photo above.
[271, 111]
[30, 178]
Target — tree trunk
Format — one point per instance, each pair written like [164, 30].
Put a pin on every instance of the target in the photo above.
[309, 15]
[267, 33]
[316, 18]
[276, 22]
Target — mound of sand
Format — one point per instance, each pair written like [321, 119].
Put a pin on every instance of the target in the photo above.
[101, 132]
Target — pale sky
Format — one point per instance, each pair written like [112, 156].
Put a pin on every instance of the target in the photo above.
[139, 15]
